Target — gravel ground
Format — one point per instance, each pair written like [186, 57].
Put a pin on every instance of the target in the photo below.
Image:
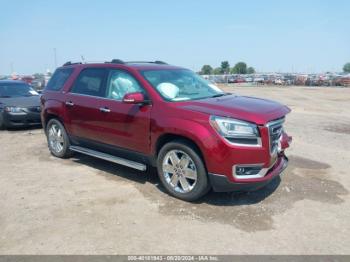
[84, 205]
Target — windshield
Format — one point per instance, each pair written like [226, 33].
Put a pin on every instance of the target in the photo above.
[16, 90]
[181, 85]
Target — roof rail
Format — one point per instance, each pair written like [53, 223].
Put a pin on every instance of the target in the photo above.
[70, 63]
[150, 62]
[116, 61]
[119, 61]
[160, 62]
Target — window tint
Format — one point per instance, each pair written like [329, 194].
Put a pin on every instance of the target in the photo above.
[121, 83]
[58, 79]
[91, 82]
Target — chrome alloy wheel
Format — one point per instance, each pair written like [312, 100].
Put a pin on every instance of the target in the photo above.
[179, 171]
[56, 139]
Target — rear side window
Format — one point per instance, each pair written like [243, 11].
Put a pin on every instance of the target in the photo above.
[91, 82]
[58, 79]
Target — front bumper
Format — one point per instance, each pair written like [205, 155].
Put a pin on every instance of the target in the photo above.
[21, 120]
[220, 183]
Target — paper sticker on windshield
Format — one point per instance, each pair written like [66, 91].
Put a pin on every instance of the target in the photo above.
[33, 92]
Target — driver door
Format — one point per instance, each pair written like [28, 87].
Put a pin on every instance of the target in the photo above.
[125, 125]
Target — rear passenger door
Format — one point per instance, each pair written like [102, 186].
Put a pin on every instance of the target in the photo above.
[83, 104]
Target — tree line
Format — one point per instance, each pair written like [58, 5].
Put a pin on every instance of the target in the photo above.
[346, 68]
[238, 68]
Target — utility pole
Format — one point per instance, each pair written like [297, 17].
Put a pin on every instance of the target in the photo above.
[12, 69]
[55, 57]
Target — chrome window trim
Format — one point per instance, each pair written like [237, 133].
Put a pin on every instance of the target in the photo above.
[99, 97]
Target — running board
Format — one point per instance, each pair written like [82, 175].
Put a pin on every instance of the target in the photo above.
[104, 156]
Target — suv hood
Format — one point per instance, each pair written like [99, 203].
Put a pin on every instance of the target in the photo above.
[23, 101]
[251, 109]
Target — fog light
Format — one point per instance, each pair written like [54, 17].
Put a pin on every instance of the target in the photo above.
[247, 170]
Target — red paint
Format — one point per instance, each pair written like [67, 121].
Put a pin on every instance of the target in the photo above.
[134, 98]
[137, 126]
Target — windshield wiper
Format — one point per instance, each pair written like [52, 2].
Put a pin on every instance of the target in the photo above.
[221, 94]
[5, 96]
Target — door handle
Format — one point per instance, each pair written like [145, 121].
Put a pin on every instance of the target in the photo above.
[105, 109]
[69, 103]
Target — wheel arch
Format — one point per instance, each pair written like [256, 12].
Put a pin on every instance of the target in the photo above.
[50, 116]
[170, 137]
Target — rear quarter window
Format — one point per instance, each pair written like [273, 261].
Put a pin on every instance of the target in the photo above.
[58, 79]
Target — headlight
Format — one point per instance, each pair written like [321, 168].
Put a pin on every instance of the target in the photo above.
[236, 131]
[13, 109]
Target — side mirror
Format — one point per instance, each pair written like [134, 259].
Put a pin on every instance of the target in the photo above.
[134, 98]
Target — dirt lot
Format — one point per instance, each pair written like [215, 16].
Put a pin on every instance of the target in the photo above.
[88, 206]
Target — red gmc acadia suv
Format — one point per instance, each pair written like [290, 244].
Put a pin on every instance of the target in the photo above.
[141, 114]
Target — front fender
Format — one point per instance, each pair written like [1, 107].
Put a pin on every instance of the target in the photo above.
[200, 133]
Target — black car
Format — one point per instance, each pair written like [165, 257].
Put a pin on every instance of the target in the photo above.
[19, 104]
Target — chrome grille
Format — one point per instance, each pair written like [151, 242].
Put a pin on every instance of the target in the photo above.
[275, 132]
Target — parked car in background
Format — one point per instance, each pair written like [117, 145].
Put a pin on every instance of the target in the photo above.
[239, 79]
[288, 79]
[279, 81]
[342, 80]
[231, 79]
[27, 79]
[258, 79]
[19, 104]
[38, 84]
[248, 79]
[220, 79]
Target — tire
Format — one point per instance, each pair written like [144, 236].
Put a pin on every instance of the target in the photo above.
[2, 125]
[57, 139]
[183, 163]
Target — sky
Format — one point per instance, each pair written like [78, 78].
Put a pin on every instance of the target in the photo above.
[279, 36]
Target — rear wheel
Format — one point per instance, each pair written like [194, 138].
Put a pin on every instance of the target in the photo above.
[57, 139]
[182, 171]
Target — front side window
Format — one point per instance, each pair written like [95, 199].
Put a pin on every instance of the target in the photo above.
[91, 82]
[121, 83]
[58, 79]
[16, 90]
[180, 84]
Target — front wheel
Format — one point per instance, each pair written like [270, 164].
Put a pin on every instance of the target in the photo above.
[182, 171]
[57, 139]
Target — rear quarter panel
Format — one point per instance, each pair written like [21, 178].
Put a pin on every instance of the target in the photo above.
[53, 102]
